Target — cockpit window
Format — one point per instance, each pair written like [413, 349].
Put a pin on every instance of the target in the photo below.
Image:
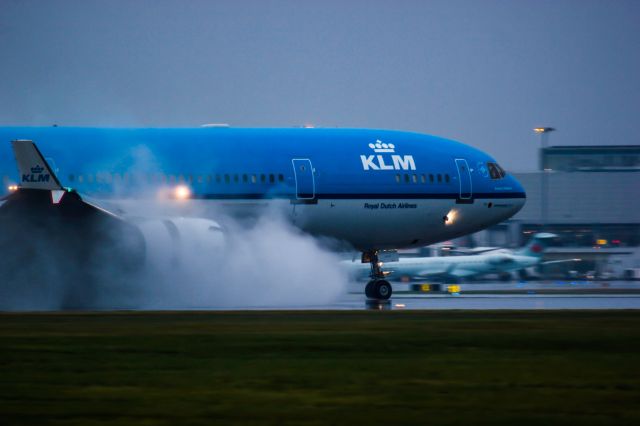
[495, 171]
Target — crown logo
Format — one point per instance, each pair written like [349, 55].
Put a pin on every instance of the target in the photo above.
[380, 146]
[37, 170]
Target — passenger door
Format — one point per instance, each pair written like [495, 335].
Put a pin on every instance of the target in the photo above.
[305, 182]
[464, 174]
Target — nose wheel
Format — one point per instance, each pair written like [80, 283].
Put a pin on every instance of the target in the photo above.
[378, 287]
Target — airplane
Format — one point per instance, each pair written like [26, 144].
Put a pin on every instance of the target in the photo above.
[371, 189]
[454, 268]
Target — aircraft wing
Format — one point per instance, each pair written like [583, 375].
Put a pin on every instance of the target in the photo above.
[561, 261]
[474, 251]
[428, 273]
[436, 271]
[463, 273]
[450, 271]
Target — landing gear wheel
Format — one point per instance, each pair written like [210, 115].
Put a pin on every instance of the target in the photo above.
[382, 290]
[377, 288]
[368, 290]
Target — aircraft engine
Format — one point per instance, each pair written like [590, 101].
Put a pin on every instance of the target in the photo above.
[170, 241]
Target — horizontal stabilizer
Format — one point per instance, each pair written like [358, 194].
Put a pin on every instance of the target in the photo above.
[34, 170]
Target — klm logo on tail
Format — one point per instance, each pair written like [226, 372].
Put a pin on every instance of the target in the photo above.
[389, 162]
[36, 175]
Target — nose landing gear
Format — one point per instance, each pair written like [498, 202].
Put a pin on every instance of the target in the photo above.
[378, 287]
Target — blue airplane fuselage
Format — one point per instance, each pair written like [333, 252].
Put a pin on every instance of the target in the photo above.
[374, 189]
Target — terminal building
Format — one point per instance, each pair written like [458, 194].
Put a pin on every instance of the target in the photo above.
[590, 197]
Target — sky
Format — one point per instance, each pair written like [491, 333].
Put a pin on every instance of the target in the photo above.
[484, 72]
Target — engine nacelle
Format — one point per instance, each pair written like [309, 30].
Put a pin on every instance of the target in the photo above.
[168, 242]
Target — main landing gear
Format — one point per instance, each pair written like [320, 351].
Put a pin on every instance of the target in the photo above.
[378, 287]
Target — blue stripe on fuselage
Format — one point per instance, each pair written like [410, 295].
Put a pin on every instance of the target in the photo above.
[343, 196]
[346, 166]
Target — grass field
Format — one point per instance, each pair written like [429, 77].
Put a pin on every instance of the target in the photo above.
[319, 368]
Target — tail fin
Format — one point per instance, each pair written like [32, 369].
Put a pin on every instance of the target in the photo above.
[537, 245]
[34, 170]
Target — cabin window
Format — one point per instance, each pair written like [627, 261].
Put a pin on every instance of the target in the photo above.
[80, 178]
[439, 178]
[280, 178]
[406, 178]
[218, 179]
[245, 178]
[272, 178]
[423, 179]
[254, 179]
[200, 179]
[431, 178]
[398, 178]
[446, 178]
[263, 178]
[208, 178]
[227, 179]
[415, 178]
[70, 178]
[236, 178]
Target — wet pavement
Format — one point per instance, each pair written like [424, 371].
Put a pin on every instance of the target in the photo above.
[562, 295]
[485, 296]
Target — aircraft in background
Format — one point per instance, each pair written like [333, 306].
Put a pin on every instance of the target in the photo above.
[454, 268]
[80, 188]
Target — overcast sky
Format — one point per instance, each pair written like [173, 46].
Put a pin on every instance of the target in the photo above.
[484, 72]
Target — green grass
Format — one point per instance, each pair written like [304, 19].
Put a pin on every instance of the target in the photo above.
[319, 368]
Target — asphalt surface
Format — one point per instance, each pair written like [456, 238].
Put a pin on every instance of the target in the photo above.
[552, 295]
[556, 295]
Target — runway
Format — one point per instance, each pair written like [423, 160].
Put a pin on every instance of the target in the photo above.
[614, 295]
[510, 301]
[562, 295]
[469, 302]
[557, 295]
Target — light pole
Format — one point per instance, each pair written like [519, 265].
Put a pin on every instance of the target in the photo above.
[544, 184]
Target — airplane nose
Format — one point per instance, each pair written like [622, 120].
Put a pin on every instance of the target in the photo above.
[519, 194]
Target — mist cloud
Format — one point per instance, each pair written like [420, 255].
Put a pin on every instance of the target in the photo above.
[262, 264]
